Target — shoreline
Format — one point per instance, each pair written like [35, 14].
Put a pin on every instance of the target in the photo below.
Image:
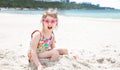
[15, 14]
[105, 14]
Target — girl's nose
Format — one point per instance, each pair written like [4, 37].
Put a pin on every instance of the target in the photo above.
[49, 23]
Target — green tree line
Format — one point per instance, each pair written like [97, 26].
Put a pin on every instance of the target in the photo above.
[41, 4]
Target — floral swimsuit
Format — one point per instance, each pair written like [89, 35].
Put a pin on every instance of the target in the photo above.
[43, 44]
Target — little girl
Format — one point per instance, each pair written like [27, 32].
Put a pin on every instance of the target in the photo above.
[43, 41]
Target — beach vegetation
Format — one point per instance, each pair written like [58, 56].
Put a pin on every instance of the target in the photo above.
[34, 4]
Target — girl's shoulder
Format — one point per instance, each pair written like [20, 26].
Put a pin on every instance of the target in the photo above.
[36, 33]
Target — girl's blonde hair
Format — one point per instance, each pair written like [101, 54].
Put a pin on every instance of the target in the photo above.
[50, 12]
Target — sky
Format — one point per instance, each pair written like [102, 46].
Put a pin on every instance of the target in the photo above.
[103, 3]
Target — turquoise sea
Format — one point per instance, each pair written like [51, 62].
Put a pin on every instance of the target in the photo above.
[114, 14]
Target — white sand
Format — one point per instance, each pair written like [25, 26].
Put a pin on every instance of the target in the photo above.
[95, 41]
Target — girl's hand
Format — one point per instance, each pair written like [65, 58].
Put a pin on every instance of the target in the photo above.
[40, 67]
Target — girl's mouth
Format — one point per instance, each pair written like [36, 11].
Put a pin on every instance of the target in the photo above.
[49, 27]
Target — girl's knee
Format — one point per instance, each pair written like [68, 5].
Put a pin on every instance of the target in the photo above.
[55, 52]
[63, 51]
[55, 55]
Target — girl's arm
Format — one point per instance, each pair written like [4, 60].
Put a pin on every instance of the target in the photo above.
[34, 44]
[53, 42]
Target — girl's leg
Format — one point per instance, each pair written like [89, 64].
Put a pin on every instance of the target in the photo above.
[62, 51]
[52, 54]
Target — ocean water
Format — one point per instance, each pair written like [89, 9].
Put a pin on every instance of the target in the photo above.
[114, 14]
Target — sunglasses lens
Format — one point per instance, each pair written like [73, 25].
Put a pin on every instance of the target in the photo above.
[46, 21]
[53, 21]
[49, 21]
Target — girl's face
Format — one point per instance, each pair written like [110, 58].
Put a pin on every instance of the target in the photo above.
[49, 23]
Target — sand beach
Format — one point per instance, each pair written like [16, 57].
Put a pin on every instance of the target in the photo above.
[94, 41]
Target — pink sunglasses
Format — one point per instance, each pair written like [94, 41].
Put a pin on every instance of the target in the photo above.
[49, 21]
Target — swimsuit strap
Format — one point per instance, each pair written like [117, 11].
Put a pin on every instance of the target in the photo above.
[43, 38]
[36, 31]
[41, 35]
